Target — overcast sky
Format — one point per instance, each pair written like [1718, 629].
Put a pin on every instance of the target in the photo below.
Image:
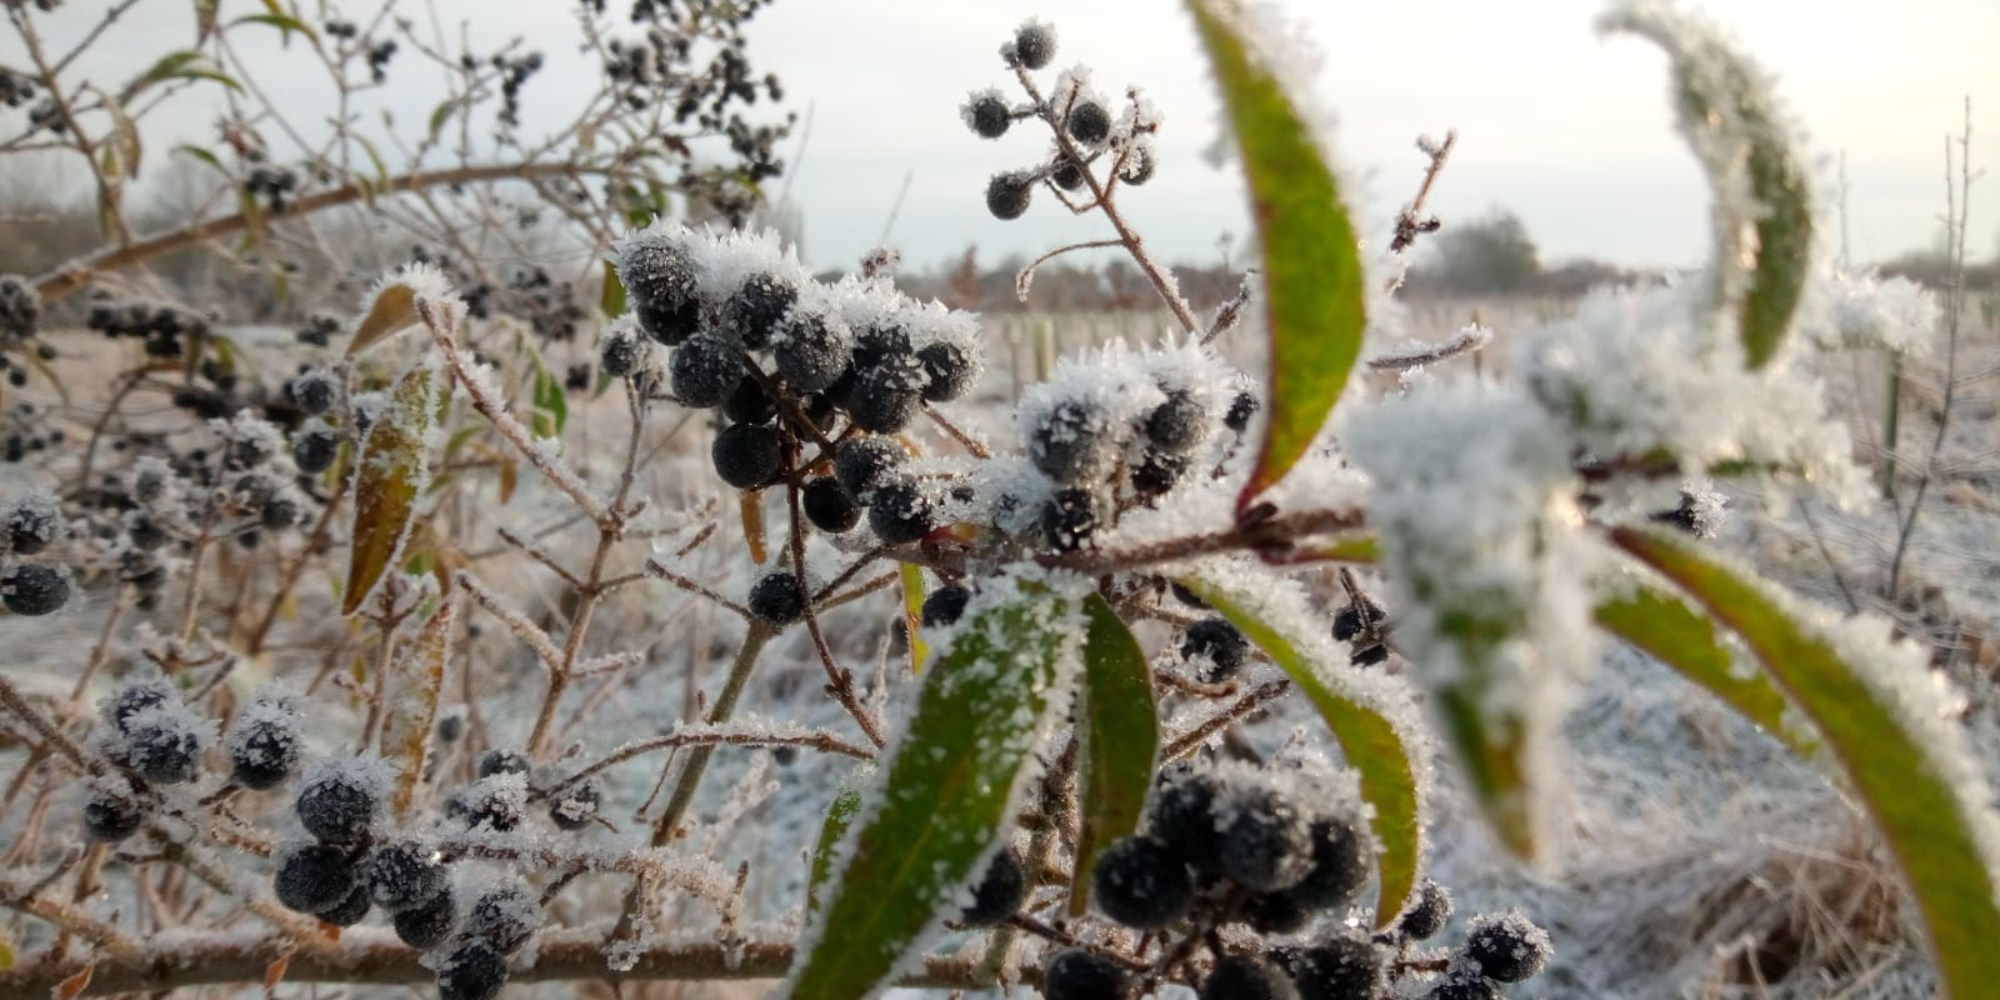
[1570, 130]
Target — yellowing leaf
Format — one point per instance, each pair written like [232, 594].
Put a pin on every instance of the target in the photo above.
[913, 615]
[410, 696]
[389, 477]
[394, 310]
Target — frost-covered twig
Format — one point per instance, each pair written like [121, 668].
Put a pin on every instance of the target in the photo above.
[1408, 225]
[1025, 279]
[1471, 338]
[1230, 313]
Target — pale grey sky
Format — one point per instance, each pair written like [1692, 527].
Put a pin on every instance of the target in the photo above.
[1570, 130]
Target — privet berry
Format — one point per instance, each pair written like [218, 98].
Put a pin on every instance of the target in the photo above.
[1139, 165]
[496, 803]
[1089, 123]
[777, 598]
[747, 455]
[748, 403]
[575, 807]
[1078, 974]
[900, 514]
[1177, 424]
[337, 805]
[945, 606]
[473, 971]
[886, 396]
[403, 875]
[1158, 473]
[1266, 843]
[1241, 409]
[828, 506]
[865, 465]
[1183, 817]
[315, 391]
[1071, 443]
[120, 709]
[32, 590]
[1141, 882]
[1034, 46]
[1506, 946]
[1427, 913]
[949, 370]
[1348, 623]
[32, 523]
[988, 115]
[1067, 175]
[811, 349]
[999, 893]
[1069, 519]
[1275, 913]
[163, 746]
[1340, 866]
[349, 911]
[1216, 648]
[313, 451]
[1340, 968]
[425, 926]
[494, 762]
[110, 819]
[314, 878]
[1464, 988]
[1008, 194]
[620, 354]
[503, 917]
[704, 369]
[1248, 977]
[756, 307]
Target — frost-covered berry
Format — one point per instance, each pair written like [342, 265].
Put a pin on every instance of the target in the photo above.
[1266, 842]
[777, 599]
[1368, 656]
[753, 311]
[1179, 423]
[999, 892]
[403, 875]
[1071, 443]
[1183, 818]
[1241, 409]
[658, 274]
[987, 114]
[473, 971]
[949, 371]
[1248, 977]
[1464, 988]
[32, 523]
[811, 349]
[1340, 865]
[1078, 974]
[163, 745]
[1275, 913]
[494, 762]
[575, 807]
[747, 455]
[313, 451]
[1506, 946]
[620, 353]
[1216, 648]
[1008, 194]
[349, 911]
[1348, 622]
[1068, 175]
[110, 819]
[828, 506]
[705, 369]
[886, 397]
[1340, 968]
[339, 799]
[1139, 166]
[120, 709]
[748, 403]
[1069, 519]
[1089, 123]
[314, 878]
[1034, 45]
[1142, 883]
[495, 803]
[315, 391]
[865, 465]
[1158, 473]
[424, 926]
[669, 325]
[901, 513]
[1426, 915]
[504, 917]
[945, 606]
[32, 590]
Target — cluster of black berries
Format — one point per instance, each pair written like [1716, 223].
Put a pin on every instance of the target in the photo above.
[319, 330]
[30, 524]
[550, 307]
[156, 739]
[20, 307]
[506, 785]
[47, 115]
[379, 55]
[1085, 132]
[160, 325]
[343, 30]
[275, 185]
[514, 73]
[16, 89]
[28, 431]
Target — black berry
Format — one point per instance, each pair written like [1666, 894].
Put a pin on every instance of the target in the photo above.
[497, 803]
[120, 709]
[1427, 913]
[1157, 473]
[1139, 165]
[110, 819]
[988, 115]
[705, 369]
[1068, 175]
[1069, 519]
[349, 911]
[777, 598]
[504, 917]
[424, 926]
[656, 271]
[949, 370]
[747, 455]
[575, 807]
[494, 762]
[1077, 974]
[1216, 648]
[1340, 968]
[1507, 946]
[474, 971]
[945, 605]
[670, 325]
[163, 746]
[1071, 443]
[756, 307]
[1184, 819]
[828, 506]
[403, 875]
[314, 878]
[886, 397]
[337, 805]
[1007, 195]
[1266, 843]
[315, 391]
[313, 451]
[999, 893]
[32, 523]
[748, 403]
[811, 350]
[1177, 424]
[1240, 411]
[1089, 123]
[1339, 867]
[620, 353]
[1464, 988]
[263, 750]
[1275, 913]
[1248, 977]
[866, 464]
[33, 590]
[1034, 46]
[1141, 882]
[900, 514]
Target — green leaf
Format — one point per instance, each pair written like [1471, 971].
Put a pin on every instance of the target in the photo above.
[942, 800]
[1491, 733]
[1377, 749]
[1118, 729]
[1313, 296]
[1730, 118]
[285, 23]
[1915, 795]
[839, 815]
[389, 478]
[551, 408]
[204, 156]
[913, 615]
[612, 302]
[1667, 629]
[440, 115]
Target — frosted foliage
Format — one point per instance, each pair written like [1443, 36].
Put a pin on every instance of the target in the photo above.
[1629, 375]
[1848, 310]
[245, 740]
[425, 282]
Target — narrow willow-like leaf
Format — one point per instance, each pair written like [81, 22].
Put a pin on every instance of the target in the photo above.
[388, 479]
[612, 302]
[941, 801]
[1118, 730]
[409, 699]
[1667, 629]
[1763, 207]
[838, 815]
[1373, 745]
[913, 615]
[1313, 297]
[1918, 799]
[394, 310]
